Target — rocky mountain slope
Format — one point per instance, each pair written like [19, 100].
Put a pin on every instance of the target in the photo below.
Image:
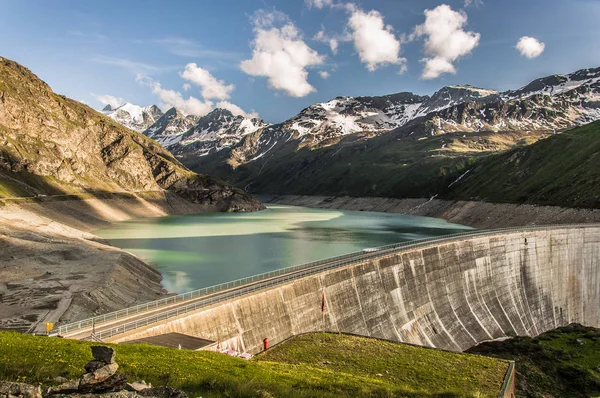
[400, 145]
[133, 116]
[167, 130]
[198, 136]
[50, 144]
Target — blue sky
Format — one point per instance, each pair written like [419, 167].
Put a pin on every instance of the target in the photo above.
[138, 50]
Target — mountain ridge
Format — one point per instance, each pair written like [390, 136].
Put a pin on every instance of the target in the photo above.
[413, 160]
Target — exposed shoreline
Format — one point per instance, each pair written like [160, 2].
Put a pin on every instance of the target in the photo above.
[52, 266]
[474, 214]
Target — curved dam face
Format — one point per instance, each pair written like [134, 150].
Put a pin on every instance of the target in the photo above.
[449, 295]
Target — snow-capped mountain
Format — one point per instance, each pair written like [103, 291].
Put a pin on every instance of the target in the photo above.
[169, 128]
[133, 116]
[547, 104]
[217, 130]
[552, 103]
[348, 115]
[557, 84]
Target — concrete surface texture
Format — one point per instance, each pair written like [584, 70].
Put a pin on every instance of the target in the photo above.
[451, 295]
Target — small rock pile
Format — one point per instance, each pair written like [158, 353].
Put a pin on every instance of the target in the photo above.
[101, 380]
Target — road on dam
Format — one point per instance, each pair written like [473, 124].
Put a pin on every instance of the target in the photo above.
[449, 292]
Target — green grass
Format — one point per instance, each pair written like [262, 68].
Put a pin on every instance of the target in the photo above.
[563, 170]
[397, 364]
[294, 368]
[564, 362]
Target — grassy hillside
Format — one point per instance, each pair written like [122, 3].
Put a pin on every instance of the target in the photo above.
[388, 166]
[563, 170]
[321, 365]
[564, 362]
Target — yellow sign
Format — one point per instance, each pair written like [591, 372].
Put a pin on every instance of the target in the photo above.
[49, 326]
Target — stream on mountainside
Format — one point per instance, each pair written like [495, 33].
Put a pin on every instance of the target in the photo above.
[196, 251]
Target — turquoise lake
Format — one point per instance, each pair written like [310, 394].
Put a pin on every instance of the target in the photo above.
[202, 250]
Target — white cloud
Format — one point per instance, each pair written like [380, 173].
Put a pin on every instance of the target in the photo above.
[111, 100]
[530, 47]
[318, 3]
[445, 41]
[324, 74]
[374, 41]
[281, 55]
[332, 41]
[333, 44]
[236, 110]
[186, 86]
[475, 3]
[171, 98]
[211, 87]
[435, 67]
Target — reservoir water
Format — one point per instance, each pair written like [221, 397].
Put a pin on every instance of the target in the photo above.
[201, 250]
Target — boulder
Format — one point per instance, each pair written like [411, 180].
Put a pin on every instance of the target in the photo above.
[93, 365]
[8, 389]
[99, 375]
[103, 353]
[138, 386]
[162, 392]
[116, 382]
[67, 387]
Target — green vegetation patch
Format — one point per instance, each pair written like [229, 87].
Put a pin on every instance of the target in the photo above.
[403, 365]
[358, 367]
[564, 362]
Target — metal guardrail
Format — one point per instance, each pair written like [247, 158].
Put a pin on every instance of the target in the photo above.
[508, 385]
[268, 279]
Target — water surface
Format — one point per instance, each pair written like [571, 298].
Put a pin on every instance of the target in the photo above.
[201, 250]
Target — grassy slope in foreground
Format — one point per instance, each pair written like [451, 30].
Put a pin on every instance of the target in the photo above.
[563, 362]
[563, 170]
[296, 368]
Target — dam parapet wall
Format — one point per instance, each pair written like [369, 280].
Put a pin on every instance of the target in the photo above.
[450, 295]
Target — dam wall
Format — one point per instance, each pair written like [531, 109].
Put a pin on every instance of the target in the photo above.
[450, 295]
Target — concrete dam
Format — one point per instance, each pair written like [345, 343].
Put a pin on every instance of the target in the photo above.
[451, 294]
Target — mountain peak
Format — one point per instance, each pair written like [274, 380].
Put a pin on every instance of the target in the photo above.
[218, 112]
[134, 116]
